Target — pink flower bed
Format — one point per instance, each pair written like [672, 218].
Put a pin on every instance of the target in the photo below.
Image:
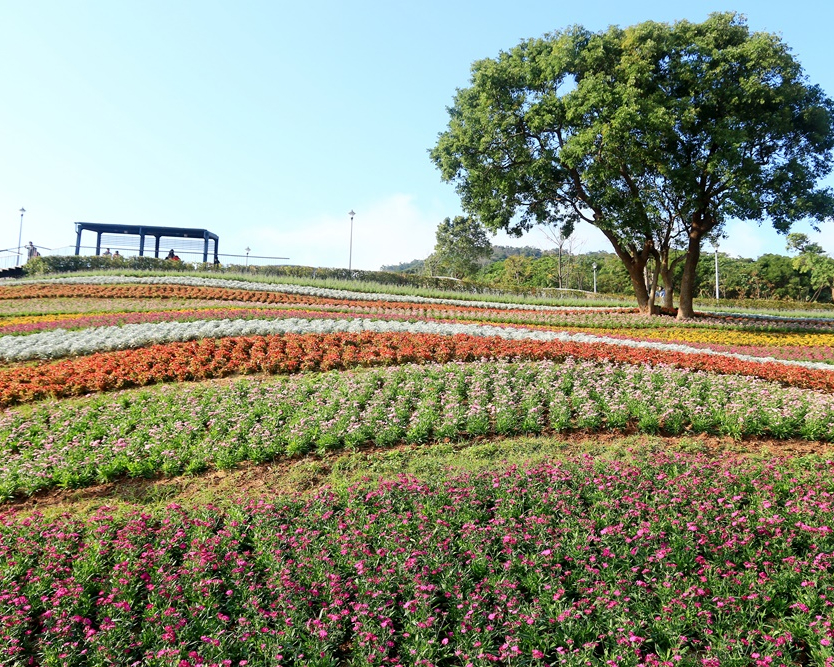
[672, 560]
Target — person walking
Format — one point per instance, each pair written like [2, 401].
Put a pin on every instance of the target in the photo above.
[107, 253]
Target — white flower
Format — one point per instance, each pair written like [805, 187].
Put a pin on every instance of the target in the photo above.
[62, 343]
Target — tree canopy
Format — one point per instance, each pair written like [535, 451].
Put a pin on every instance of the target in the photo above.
[656, 134]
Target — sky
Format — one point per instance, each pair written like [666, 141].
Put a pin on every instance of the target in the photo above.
[267, 122]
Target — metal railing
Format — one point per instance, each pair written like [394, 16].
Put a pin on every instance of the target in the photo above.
[8, 261]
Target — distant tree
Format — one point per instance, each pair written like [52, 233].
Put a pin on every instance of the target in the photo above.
[813, 261]
[656, 134]
[516, 271]
[778, 278]
[612, 276]
[431, 265]
[544, 271]
[567, 246]
[800, 243]
[461, 244]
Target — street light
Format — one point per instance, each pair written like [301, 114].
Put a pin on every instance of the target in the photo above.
[350, 256]
[715, 245]
[20, 236]
[595, 277]
[247, 256]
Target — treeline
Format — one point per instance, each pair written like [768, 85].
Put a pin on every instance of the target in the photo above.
[771, 276]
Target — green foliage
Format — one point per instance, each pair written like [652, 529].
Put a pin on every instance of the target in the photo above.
[813, 262]
[72, 263]
[78, 263]
[820, 270]
[461, 243]
[612, 277]
[190, 428]
[769, 277]
[518, 271]
[500, 252]
[515, 272]
[802, 244]
[415, 266]
[387, 278]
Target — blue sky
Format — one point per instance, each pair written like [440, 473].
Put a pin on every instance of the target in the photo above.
[266, 122]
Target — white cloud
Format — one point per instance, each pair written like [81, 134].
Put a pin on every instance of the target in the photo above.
[392, 230]
[389, 231]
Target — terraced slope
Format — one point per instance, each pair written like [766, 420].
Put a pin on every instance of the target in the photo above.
[664, 558]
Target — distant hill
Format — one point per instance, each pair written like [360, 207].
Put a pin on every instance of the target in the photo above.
[415, 266]
[499, 253]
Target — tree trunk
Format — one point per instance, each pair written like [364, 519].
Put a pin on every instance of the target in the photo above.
[817, 293]
[693, 254]
[667, 274]
[668, 288]
[560, 267]
[638, 281]
[635, 264]
[653, 292]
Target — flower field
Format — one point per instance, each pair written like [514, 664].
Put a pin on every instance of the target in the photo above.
[672, 558]
[675, 559]
[217, 427]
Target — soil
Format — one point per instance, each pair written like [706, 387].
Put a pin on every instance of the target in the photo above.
[305, 474]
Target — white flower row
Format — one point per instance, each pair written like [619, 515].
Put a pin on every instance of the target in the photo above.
[192, 281]
[61, 343]
[295, 289]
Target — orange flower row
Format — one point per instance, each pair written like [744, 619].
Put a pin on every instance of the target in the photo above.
[213, 358]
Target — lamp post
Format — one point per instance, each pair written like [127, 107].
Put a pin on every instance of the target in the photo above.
[20, 236]
[247, 256]
[350, 256]
[715, 245]
[595, 277]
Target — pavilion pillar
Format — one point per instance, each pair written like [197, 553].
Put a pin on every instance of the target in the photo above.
[98, 243]
[77, 239]
[156, 247]
[141, 242]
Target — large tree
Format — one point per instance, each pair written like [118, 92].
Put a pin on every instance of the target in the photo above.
[656, 134]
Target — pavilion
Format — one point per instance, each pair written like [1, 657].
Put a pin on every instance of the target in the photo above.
[180, 239]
